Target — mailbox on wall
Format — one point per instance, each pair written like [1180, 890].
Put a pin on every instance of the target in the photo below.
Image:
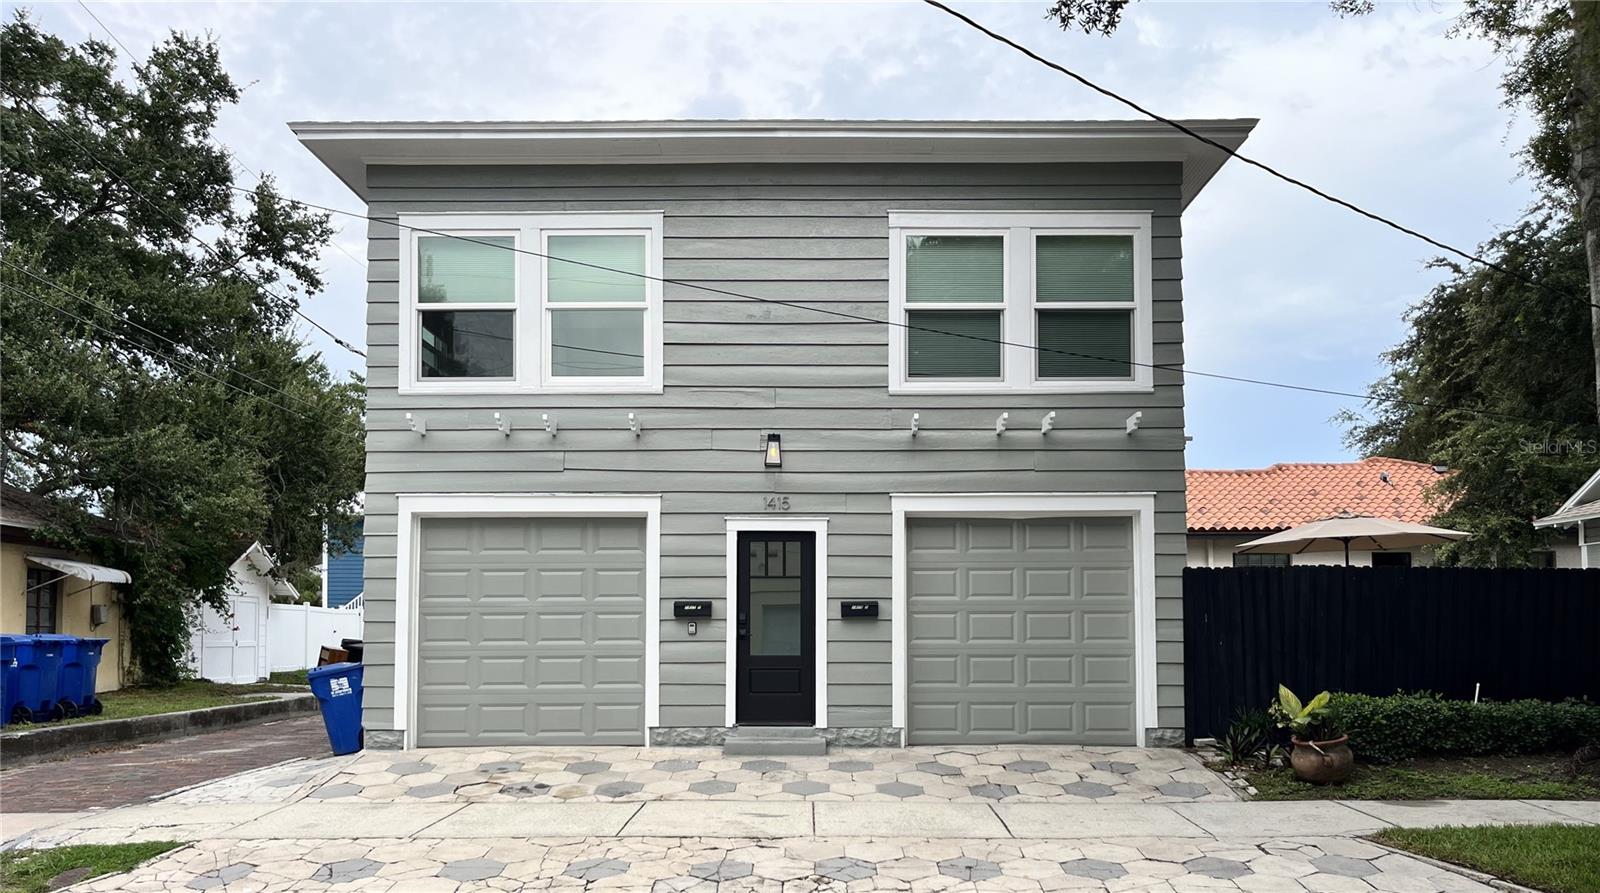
[858, 609]
[695, 610]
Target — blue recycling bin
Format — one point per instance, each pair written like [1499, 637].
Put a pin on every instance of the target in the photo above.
[38, 674]
[10, 679]
[69, 673]
[89, 652]
[80, 661]
[338, 691]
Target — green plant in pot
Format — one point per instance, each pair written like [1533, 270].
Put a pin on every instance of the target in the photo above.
[1321, 753]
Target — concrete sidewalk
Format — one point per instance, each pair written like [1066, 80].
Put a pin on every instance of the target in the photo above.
[793, 865]
[309, 819]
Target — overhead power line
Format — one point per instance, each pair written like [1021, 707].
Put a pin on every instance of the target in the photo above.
[183, 227]
[232, 156]
[1243, 159]
[858, 318]
[44, 280]
[110, 33]
[187, 367]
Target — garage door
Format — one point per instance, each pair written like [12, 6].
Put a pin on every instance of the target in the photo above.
[1021, 631]
[532, 631]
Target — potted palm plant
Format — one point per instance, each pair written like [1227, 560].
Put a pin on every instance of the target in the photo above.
[1321, 753]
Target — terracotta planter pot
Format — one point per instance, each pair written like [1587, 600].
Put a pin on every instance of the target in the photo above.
[1322, 762]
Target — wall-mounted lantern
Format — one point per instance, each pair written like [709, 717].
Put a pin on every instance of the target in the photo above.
[774, 457]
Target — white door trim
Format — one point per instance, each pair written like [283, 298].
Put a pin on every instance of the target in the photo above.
[413, 507]
[1139, 506]
[738, 524]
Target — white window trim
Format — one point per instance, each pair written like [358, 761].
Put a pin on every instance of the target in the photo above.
[1019, 365]
[531, 356]
[1139, 506]
[737, 524]
[413, 507]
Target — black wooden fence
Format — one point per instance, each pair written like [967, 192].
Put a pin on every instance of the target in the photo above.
[1515, 633]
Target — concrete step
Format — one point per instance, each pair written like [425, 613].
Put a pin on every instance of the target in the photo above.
[774, 741]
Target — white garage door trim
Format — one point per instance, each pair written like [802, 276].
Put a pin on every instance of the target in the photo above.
[759, 524]
[1141, 507]
[413, 507]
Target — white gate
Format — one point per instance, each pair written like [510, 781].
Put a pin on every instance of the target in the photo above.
[227, 646]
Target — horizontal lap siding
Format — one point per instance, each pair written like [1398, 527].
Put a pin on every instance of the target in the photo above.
[811, 234]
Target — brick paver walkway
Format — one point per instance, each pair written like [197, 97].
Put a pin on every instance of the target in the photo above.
[698, 865]
[977, 774]
[142, 772]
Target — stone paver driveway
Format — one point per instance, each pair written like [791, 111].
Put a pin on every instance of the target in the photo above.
[962, 774]
[706, 865]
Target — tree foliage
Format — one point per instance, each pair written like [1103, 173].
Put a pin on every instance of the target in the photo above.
[1518, 346]
[1493, 380]
[155, 390]
[1496, 377]
[1534, 40]
[1103, 16]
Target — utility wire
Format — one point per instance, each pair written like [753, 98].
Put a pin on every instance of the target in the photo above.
[120, 318]
[1245, 159]
[857, 318]
[209, 251]
[26, 296]
[183, 228]
[112, 34]
[869, 320]
[232, 156]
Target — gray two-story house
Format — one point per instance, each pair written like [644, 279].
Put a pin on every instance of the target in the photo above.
[861, 426]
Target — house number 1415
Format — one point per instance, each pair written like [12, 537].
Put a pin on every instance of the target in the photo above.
[777, 503]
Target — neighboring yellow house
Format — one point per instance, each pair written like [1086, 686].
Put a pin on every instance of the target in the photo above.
[44, 589]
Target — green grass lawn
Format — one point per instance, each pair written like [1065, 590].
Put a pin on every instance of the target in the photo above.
[30, 871]
[289, 677]
[192, 694]
[1552, 858]
[1534, 777]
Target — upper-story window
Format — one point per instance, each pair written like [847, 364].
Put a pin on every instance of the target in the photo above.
[973, 293]
[534, 303]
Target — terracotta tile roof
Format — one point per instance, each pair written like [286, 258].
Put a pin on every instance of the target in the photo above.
[1293, 493]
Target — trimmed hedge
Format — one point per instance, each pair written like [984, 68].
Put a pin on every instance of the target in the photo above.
[1422, 724]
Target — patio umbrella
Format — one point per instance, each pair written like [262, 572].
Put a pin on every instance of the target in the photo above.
[1346, 529]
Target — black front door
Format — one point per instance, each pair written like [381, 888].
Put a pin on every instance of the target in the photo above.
[776, 629]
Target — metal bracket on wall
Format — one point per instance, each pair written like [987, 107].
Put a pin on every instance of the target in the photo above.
[503, 424]
[549, 423]
[419, 425]
[1134, 420]
[916, 423]
[1000, 423]
[633, 424]
[1047, 423]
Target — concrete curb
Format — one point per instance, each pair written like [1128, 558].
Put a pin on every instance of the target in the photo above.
[50, 742]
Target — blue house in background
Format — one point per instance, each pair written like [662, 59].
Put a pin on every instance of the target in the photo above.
[342, 576]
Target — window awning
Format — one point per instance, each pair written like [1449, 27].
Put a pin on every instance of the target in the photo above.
[83, 570]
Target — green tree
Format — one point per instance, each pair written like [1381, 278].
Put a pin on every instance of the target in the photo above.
[152, 383]
[1551, 49]
[1497, 377]
[1494, 381]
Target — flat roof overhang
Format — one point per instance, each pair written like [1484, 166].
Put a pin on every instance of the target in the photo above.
[348, 147]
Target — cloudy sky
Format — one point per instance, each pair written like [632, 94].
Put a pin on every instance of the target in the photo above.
[1385, 110]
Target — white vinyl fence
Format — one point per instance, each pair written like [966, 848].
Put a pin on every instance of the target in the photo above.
[298, 632]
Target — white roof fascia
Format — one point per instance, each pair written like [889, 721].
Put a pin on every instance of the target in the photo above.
[1589, 492]
[347, 148]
